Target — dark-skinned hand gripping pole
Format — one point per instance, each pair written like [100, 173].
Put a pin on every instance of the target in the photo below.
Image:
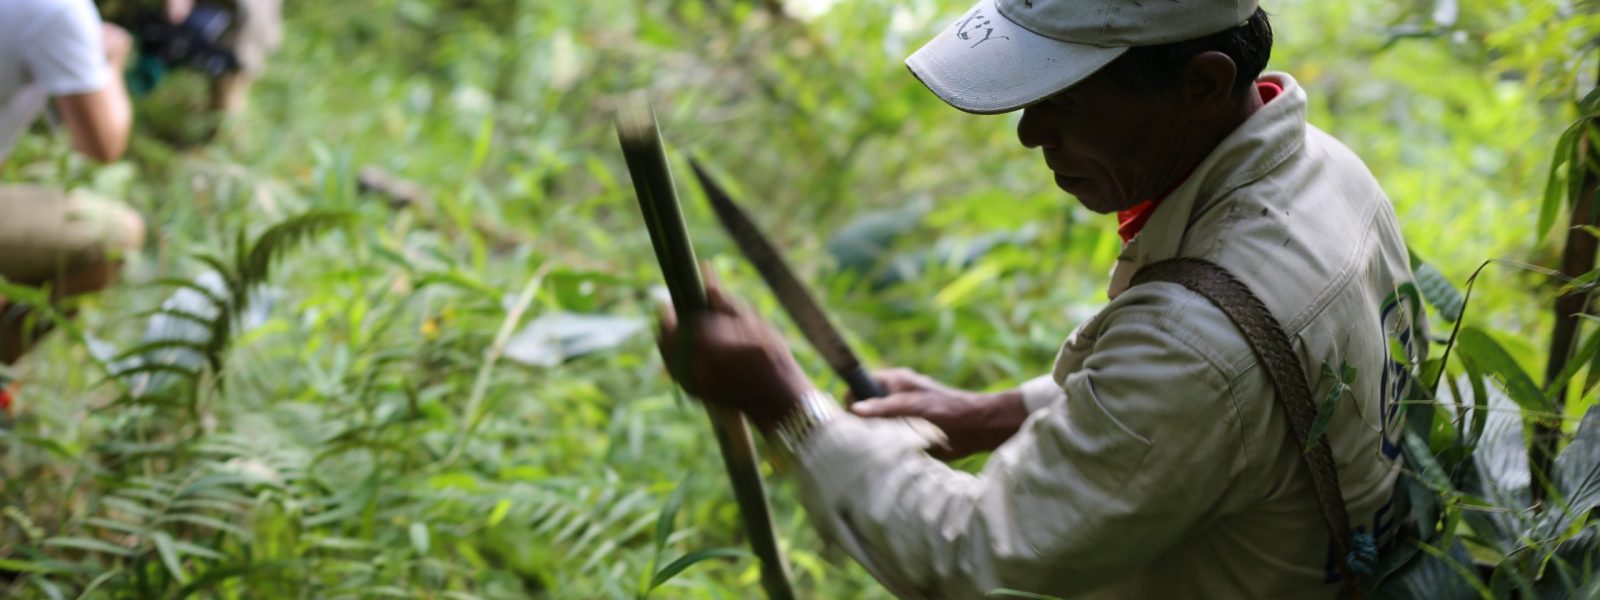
[652, 181]
[794, 297]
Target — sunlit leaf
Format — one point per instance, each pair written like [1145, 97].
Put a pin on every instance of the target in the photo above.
[502, 508]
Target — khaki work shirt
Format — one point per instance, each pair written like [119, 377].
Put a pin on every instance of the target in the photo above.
[1156, 462]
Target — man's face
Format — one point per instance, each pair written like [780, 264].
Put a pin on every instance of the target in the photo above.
[1109, 146]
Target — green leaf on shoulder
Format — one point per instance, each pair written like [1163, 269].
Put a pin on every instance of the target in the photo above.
[1342, 381]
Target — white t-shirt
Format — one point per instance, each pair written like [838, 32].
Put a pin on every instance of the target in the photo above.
[47, 48]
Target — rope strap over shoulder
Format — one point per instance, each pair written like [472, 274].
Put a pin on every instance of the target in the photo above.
[1277, 356]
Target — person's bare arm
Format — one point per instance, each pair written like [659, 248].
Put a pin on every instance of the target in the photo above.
[100, 121]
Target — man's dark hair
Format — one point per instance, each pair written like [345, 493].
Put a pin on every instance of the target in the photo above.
[1161, 68]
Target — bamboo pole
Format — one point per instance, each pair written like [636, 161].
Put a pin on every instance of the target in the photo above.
[658, 200]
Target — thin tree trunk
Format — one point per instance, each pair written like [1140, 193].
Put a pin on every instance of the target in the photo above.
[1577, 258]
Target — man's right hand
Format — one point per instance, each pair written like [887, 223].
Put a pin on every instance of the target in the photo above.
[974, 421]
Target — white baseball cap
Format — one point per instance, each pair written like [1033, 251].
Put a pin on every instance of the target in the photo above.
[1003, 55]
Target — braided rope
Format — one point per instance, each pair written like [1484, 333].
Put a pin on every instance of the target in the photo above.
[1283, 368]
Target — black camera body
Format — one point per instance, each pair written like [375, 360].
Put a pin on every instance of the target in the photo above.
[194, 43]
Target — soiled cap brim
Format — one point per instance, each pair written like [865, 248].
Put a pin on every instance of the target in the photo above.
[986, 64]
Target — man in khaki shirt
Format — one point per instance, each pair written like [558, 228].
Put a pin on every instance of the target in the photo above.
[1154, 461]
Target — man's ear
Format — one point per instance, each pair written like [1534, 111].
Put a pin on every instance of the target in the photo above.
[1208, 86]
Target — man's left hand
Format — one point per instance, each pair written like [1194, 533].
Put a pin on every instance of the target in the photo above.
[973, 421]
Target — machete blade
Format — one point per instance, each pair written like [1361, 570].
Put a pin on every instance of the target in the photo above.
[792, 295]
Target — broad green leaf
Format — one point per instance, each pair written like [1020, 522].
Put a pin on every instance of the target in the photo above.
[1494, 359]
[1421, 459]
[1436, 575]
[688, 560]
[1577, 472]
[1499, 473]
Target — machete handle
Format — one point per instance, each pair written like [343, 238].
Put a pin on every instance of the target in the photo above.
[862, 384]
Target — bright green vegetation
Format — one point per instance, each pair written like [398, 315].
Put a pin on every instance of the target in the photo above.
[368, 435]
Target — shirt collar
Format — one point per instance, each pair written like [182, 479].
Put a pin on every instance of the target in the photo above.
[1276, 131]
[1266, 139]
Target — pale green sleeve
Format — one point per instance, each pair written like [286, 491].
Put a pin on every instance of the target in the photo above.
[1064, 506]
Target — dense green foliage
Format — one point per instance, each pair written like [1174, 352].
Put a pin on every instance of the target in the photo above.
[360, 426]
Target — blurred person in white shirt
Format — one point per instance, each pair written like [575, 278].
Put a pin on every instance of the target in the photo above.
[58, 53]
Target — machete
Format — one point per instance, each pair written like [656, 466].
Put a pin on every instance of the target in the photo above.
[658, 201]
[794, 297]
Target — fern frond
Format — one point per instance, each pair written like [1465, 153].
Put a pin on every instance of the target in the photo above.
[255, 266]
[158, 346]
[187, 284]
[178, 314]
